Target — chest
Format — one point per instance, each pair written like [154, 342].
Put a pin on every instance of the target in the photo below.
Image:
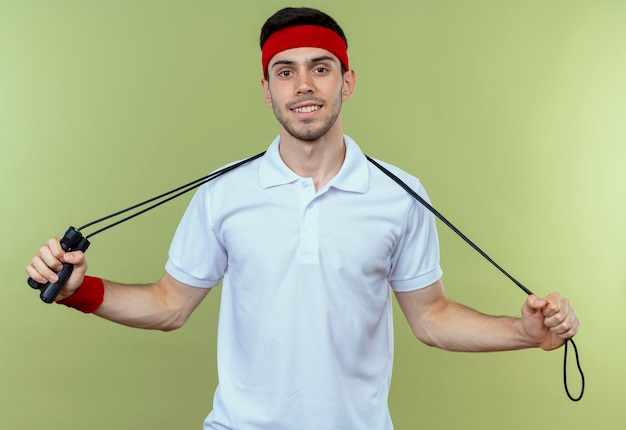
[343, 230]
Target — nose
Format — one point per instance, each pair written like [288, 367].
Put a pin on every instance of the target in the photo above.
[304, 84]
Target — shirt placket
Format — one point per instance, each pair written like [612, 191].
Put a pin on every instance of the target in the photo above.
[309, 225]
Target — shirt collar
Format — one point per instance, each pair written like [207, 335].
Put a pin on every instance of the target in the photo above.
[353, 175]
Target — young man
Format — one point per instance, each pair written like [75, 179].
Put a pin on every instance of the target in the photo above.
[309, 240]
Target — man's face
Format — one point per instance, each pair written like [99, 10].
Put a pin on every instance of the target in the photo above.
[306, 88]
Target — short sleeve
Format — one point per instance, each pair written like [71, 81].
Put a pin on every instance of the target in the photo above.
[196, 256]
[415, 260]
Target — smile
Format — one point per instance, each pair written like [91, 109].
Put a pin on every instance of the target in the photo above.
[306, 109]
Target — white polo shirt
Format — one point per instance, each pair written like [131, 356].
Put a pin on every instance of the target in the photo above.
[305, 336]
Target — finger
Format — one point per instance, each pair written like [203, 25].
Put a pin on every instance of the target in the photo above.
[74, 257]
[553, 318]
[47, 262]
[51, 257]
[554, 303]
[569, 327]
[574, 330]
[564, 332]
[40, 271]
[34, 274]
[56, 250]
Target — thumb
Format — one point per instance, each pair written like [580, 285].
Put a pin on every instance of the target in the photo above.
[536, 302]
[533, 304]
[74, 257]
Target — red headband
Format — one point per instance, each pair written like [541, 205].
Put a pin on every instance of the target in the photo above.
[301, 36]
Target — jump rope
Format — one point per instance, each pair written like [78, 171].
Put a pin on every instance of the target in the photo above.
[74, 240]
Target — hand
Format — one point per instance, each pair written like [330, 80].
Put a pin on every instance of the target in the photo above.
[50, 259]
[549, 321]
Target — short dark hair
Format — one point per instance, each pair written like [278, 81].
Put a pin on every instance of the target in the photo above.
[291, 16]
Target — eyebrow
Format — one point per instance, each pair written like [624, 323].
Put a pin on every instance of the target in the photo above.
[313, 60]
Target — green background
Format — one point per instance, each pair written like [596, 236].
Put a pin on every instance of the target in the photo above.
[511, 112]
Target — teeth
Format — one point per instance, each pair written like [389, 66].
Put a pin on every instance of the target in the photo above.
[306, 109]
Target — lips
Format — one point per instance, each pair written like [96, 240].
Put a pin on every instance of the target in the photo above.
[306, 109]
[306, 105]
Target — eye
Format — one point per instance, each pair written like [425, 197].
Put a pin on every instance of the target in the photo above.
[320, 70]
[285, 73]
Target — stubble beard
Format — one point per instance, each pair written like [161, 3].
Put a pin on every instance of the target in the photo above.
[307, 131]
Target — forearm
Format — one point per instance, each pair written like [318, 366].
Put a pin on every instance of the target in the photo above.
[438, 321]
[142, 306]
[455, 327]
[164, 305]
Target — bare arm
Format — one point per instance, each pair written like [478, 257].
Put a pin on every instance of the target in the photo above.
[163, 305]
[439, 321]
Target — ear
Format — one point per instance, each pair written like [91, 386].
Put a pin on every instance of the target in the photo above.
[349, 82]
[267, 95]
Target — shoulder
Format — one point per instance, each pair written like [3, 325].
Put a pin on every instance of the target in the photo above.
[229, 174]
[390, 176]
[379, 169]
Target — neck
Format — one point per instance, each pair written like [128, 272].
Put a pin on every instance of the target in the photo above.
[319, 159]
